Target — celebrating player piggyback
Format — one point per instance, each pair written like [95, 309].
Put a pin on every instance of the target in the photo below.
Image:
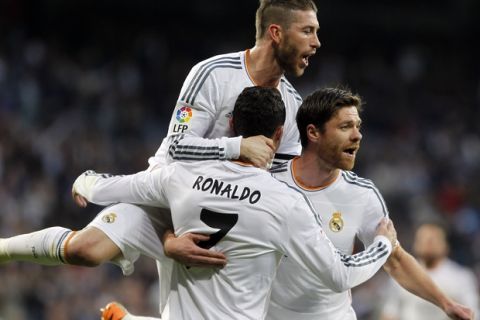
[205, 113]
[251, 217]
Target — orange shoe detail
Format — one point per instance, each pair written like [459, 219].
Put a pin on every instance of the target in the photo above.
[113, 311]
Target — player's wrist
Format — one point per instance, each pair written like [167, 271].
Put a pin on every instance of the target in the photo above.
[384, 239]
[167, 237]
[445, 304]
[233, 147]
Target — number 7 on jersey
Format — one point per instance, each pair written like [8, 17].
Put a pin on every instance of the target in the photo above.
[217, 220]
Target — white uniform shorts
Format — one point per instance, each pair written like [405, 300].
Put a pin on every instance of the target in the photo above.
[135, 230]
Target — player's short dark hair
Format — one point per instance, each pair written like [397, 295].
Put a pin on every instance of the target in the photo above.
[258, 111]
[320, 106]
[279, 12]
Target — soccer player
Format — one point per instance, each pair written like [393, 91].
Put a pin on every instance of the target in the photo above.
[431, 249]
[350, 206]
[251, 217]
[286, 38]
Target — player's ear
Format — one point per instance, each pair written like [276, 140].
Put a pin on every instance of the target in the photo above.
[313, 133]
[275, 32]
[277, 136]
[230, 124]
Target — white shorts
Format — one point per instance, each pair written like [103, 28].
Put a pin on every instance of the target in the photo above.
[135, 230]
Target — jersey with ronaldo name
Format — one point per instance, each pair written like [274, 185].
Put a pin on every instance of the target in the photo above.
[254, 220]
[350, 207]
[199, 127]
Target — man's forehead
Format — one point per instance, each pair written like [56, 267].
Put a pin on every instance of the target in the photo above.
[305, 18]
[347, 112]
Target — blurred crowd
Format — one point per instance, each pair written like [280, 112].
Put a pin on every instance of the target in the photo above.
[71, 102]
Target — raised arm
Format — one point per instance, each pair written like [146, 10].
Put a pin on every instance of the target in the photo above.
[194, 128]
[144, 188]
[410, 275]
[310, 246]
[258, 150]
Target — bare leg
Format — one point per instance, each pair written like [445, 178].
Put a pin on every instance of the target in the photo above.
[57, 245]
[90, 247]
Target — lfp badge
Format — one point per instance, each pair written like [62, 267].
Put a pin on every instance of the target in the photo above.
[184, 114]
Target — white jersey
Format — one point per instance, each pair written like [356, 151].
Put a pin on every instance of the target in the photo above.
[349, 207]
[199, 126]
[198, 130]
[254, 220]
[458, 283]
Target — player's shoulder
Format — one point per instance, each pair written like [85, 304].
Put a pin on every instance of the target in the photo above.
[359, 185]
[289, 90]
[280, 168]
[351, 178]
[219, 69]
[233, 58]
[280, 185]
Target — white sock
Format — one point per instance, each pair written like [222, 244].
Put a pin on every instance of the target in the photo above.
[132, 317]
[43, 247]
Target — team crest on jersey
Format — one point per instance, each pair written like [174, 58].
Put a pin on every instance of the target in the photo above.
[336, 222]
[184, 114]
[109, 218]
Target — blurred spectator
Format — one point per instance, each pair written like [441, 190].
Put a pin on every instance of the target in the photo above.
[459, 283]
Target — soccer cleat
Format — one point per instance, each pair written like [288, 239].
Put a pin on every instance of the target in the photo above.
[113, 311]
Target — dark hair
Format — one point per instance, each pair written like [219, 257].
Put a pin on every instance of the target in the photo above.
[258, 111]
[320, 106]
[279, 12]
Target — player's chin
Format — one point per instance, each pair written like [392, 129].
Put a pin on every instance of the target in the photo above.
[347, 164]
[296, 70]
[299, 71]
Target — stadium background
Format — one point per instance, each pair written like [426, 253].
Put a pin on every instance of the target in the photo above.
[92, 84]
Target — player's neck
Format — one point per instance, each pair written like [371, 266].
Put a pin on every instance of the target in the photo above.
[313, 173]
[431, 264]
[262, 66]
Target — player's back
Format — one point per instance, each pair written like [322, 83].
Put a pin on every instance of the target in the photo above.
[244, 210]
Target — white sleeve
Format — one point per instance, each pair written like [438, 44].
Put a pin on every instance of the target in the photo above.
[310, 247]
[193, 117]
[145, 187]
[187, 147]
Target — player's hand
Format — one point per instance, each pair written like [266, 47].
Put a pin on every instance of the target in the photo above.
[184, 249]
[458, 312]
[258, 150]
[386, 228]
[79, 200]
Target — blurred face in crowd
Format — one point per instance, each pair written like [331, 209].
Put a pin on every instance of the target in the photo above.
[430, 244]
[338, 143]
[299, 41]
